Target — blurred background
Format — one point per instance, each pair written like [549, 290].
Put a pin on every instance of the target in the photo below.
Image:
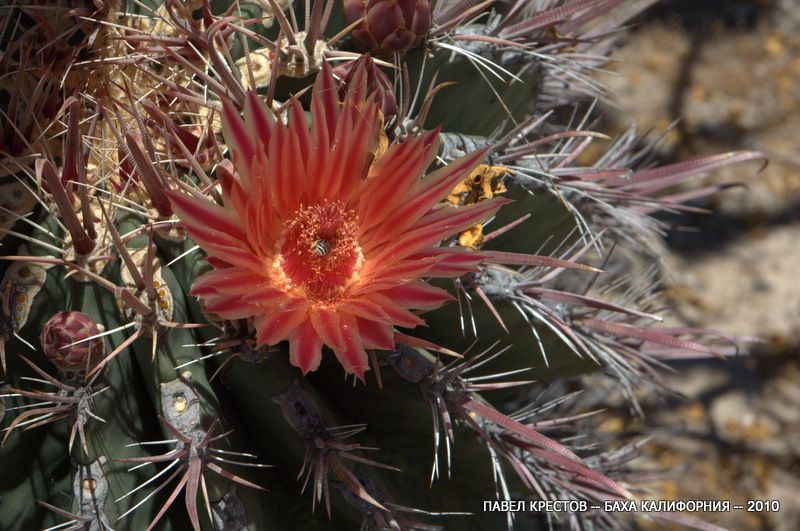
[729, 71]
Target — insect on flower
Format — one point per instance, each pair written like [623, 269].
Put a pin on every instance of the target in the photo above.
[321, 247]
[323, 239]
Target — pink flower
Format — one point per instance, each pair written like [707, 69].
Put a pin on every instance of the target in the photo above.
[321, 240]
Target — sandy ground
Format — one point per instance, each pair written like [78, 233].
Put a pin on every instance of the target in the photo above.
[731, 72]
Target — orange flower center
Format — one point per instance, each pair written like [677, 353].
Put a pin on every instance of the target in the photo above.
[319, 252]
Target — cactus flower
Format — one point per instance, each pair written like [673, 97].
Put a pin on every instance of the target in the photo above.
[323, 239]
[388, 25]
[59, 337]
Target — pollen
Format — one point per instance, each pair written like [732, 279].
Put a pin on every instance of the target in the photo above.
[89, 485]
[180, 404]
[319, 255]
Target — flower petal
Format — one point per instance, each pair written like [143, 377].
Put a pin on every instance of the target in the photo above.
[376, 335]
[422, 198]
[403, 271]
[427, 235]
[305, 347]
[326, 323]
[399, 168]
[365, 309]
[325, 104]
[237, 137]
[399, 316]
[231, 280]
[228, 254]
[233, 194]
[231, 307]
[453, 261]
[353, 357]
[203, 216]
[277, 325]
[418, 295]
[259, 119]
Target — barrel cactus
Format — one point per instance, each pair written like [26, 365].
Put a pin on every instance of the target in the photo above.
[262, 274]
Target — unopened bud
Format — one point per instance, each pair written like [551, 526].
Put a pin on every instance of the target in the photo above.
[63, 340]
[378, 83]
[389, 25]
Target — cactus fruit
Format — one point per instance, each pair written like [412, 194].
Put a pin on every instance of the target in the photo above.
[269, 282]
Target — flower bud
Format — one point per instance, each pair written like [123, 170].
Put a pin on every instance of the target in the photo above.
[57, 338]
[390, 25]
[377, 83]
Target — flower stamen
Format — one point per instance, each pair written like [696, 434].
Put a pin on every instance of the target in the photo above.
[319, 252]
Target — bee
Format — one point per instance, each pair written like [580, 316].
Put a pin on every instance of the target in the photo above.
[320, 246]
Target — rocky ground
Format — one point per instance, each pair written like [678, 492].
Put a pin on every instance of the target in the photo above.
[730, 71]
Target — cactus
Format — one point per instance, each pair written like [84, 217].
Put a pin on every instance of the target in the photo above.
[270, 281]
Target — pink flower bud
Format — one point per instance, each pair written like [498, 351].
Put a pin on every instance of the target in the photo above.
[57, 338]
[377, 83]
[390, 25]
